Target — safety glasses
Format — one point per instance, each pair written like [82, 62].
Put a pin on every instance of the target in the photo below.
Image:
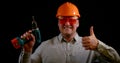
[71, 20]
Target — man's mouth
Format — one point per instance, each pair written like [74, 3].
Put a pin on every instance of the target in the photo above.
[67, 27]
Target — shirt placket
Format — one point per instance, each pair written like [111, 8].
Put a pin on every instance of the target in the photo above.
[68, 53]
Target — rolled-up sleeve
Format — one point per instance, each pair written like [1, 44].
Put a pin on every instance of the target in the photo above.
[25, 56]
[108, 52]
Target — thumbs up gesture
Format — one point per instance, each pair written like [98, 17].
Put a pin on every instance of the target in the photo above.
[90, 42]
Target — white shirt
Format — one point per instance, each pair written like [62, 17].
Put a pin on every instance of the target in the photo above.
[56, 50]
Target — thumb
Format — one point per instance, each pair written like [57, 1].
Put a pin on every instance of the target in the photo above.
[91, 31]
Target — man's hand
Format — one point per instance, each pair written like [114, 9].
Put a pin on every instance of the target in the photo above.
[31, 38]
[90, 42]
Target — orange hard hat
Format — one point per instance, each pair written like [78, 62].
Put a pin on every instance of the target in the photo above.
[68, 9]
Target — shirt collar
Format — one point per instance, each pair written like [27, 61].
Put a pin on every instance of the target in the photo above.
[76, 38]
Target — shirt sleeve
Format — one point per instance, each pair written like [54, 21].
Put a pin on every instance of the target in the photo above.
[108, 52]
[31, 57]
[25, 56]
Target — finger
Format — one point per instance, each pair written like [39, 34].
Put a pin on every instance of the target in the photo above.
[23, 36]
[86, 45]
[33, 37]
[86, 42]
[91, 31]
[28, 37]
[85, 38]
[87, 48]
[30, 31]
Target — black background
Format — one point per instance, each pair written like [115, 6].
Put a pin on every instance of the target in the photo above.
[16, 18]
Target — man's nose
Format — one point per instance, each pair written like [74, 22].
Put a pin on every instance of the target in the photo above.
[67, 22]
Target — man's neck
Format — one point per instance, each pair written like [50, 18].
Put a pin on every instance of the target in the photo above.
[69, 37]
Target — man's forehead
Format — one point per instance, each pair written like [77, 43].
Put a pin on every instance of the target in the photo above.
[72, 17]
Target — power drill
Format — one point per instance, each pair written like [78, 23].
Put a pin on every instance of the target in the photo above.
[18, 42]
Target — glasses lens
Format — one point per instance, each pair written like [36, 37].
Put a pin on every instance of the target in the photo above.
[71, 21]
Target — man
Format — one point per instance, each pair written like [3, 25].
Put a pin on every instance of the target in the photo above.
[68, 46]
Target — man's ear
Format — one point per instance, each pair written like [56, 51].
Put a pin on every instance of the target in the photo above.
[77, 24]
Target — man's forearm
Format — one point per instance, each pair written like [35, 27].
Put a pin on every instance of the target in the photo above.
[108, 52]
